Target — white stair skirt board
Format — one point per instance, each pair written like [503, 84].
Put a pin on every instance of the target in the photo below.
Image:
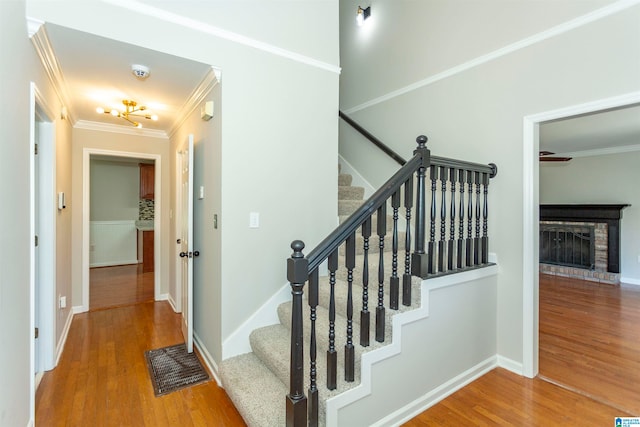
[113, 243]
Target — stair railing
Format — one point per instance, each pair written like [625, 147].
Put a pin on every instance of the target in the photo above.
[462, 244]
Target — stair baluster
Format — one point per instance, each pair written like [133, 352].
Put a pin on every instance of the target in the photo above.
[394, 281]
[365, 316]
[332, 354]
[313, 387]
[431, 251]
[461, 221]
[443, 219]
[419, 259]
[452, 219]
[349, 354]
[476, 240]
[382, 231]
[406, 277]
[469, 242]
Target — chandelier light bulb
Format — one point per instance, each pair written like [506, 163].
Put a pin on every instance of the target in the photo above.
[100, 110]
[154, 117]
[115, 113]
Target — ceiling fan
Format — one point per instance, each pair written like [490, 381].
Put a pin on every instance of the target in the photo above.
[548, 156]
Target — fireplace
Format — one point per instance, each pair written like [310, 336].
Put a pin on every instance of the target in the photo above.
[581, 241]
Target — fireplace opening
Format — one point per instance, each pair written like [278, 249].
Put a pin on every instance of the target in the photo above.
[568, 245]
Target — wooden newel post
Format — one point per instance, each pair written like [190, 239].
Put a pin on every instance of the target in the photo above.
[297, 274]
[419, 259]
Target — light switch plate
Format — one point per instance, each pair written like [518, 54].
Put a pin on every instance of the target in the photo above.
[254, 219]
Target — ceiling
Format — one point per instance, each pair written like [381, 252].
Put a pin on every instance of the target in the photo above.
[97, 73]
[598, 133]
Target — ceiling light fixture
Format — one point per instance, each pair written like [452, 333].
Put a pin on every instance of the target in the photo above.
[362, 14]
[130, 109]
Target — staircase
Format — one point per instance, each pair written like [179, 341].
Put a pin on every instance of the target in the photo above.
[258, 382]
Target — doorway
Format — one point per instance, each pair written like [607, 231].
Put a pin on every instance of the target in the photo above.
[154, 224]
[121, 251]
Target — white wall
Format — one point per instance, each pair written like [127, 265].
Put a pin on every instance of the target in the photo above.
[412, 72]
[278, 153]
[15, 152]
[601, 179]
[115, 190]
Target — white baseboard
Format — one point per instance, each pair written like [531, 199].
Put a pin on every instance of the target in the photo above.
[208, 359]
[423, 403]
[358, 180]
[113, 263]
[630, 281]
[172, 303]
[238, 342]
[63, 336]
[510, 365]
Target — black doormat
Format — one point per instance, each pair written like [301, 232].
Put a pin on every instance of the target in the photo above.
[172, 368]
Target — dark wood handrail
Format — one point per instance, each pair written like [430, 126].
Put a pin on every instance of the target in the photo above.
[381, 145]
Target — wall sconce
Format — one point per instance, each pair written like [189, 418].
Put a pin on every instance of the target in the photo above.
[362, 14]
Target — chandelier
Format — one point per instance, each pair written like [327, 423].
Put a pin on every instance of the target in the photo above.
[130, 113]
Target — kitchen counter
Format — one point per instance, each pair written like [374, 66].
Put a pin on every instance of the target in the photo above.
[144, 225]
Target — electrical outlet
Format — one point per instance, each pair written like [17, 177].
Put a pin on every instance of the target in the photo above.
[254, 219]
[63, 302]
[638, 259]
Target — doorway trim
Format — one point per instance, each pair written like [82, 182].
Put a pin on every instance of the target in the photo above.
[86, 203]
[42, 115]
[531, 202]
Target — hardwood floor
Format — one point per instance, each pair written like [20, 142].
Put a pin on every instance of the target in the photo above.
[590, 339]
[102, 377]
[119, 286]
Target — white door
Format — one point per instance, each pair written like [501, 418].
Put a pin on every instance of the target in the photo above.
[186, 241]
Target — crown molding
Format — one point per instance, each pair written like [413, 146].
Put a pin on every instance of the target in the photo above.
[573, 24]
[208, 82]
[42, 44]
[193, 24]
[602, 151]
[126, 130]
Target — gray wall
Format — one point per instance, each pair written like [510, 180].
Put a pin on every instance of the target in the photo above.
[601, 179]
[115, 190]
[400, 80]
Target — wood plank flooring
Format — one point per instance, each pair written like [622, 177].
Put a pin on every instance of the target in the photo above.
[102, 378]
[590, 339]
[119, 286]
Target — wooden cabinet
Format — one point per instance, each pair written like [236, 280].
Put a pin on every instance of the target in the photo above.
[147, 251]
[147, 180]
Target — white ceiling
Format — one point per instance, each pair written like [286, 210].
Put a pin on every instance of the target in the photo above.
[97, 73]
[593, 134]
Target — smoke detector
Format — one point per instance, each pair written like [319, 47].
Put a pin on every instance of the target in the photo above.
[140, 71]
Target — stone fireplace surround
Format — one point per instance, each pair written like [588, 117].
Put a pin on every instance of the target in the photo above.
[606, 220]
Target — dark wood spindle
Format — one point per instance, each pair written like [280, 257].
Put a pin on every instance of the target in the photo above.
[350, 263]
[332, 354]
[394, 281]
[433, 175]
[469, 242]
[313, 373]
[461, 177]
[485, 214]
[365, 316]
[382, 231]
[419, 259]
[452, 220]
[476, 240]
[406, 277]
[443, 219]
[297, 274]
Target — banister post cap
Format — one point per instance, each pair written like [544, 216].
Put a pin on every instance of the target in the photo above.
[297, 265]
[494, 170]
[422, 140]
[423, 150]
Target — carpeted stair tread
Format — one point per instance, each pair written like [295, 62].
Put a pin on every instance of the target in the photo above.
[344, 179]
[374, 244]
[374, 222]
[347, 207]
[349, 192]
[256, 392]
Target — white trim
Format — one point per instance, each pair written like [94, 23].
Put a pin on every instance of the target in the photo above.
[530, 208]
[630, 281]
[506, 50]
[238, 341]
[33, 25]
[358, 179]
[510, 365]
[409, 411]
[86, 185]
[602, 151]
[208, 359]
[195, 25]
[121, 129]
[63, 336]
[206, 85]
[398, 321]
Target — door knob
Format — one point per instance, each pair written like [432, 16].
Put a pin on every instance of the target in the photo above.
[183, 254]
[179, 241]
[196, 253]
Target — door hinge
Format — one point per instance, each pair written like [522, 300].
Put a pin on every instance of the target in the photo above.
[36, 149]
[37, 332]
[36, 240]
